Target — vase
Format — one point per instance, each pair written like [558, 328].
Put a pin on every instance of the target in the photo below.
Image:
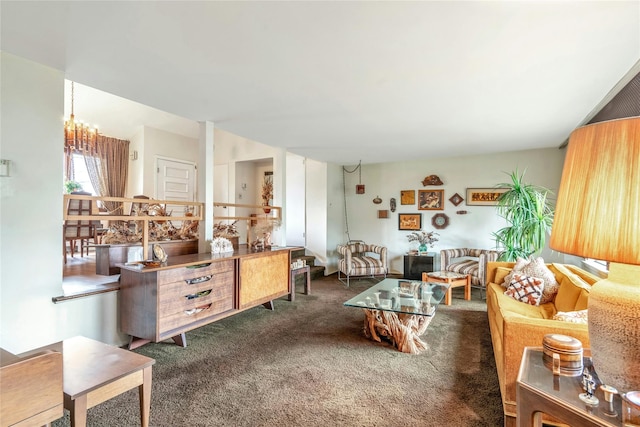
[422, 248]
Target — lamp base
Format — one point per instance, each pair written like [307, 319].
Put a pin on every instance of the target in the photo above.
[614, 327]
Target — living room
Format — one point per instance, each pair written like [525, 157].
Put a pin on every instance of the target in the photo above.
[32, 93]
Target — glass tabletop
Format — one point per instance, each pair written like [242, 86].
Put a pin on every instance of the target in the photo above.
[566, 389]
[401, 296]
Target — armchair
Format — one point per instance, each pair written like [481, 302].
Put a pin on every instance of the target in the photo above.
[469, 261]
[361, 259]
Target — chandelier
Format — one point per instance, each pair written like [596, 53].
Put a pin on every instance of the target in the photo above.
[79, 137]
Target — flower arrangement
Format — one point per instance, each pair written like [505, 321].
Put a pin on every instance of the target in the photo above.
[267, 191]
[423, 238]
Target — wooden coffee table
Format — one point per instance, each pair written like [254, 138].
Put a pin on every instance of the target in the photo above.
[94, 372]
[453, 279]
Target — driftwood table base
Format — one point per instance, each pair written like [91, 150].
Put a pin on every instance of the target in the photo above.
[403, 330]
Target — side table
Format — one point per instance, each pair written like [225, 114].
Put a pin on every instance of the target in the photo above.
[307, 288]
[415, 265]
[453, 279]
[94, 372]
[540, 392]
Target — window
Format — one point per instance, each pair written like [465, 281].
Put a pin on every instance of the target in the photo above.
[81, 175]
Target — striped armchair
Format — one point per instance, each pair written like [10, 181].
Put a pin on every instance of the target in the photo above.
[468, 261]
[360, 259]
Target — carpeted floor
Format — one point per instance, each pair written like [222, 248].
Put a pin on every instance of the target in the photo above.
[308, 364]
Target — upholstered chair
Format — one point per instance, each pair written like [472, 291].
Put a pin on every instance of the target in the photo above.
[362, 260]
[469, 261]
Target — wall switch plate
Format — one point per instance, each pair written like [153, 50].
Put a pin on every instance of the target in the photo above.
[4, 167]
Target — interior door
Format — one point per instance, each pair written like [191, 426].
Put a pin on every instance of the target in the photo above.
[175, 180]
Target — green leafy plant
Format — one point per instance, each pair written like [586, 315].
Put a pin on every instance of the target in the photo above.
[529, 214]
[71, 186]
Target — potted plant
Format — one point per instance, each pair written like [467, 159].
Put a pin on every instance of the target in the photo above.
[71, 186]
[424, 239]
[529, 215]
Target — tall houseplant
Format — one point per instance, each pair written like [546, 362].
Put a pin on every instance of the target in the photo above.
[529, 215]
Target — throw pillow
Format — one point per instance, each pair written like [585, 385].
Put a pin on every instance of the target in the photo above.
[525, 289]
[580, 316]
[501, 273]
[537, 268]
[517, 268]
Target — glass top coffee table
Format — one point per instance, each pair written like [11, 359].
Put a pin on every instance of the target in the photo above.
[399, 310]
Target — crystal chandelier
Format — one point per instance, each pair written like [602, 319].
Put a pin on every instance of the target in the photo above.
[79, 137]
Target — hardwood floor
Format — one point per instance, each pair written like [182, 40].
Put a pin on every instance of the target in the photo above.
[79, 278]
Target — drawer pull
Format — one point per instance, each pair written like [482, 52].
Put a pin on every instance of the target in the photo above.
[198, 280]
[197, 310]
[199, 265]
[198, 295]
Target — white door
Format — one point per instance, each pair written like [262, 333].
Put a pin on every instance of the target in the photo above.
[175, 180]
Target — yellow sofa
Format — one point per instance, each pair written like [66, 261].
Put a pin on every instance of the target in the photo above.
[515, 325]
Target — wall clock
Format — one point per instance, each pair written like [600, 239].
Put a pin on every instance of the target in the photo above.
[440, 221]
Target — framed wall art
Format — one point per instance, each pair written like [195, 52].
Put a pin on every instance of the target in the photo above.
[408, 197]
[409, 221]
[456, 199]
[440, 221]
[484, 196]
[431, 200]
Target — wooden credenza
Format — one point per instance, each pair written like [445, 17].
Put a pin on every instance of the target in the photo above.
[193, 290]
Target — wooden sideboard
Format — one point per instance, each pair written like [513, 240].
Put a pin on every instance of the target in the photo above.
[193, 290]
[109, 257]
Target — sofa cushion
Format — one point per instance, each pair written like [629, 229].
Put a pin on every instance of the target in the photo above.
[501, 274]
[468, 266]
[568, 295]
[525, 289]
[536, 268]
[579, 316]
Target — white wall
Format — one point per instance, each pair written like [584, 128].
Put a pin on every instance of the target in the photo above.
[159, 143]
[135, 175]
[295, 200]
[31, 243]
[238, 152]
[386, 180]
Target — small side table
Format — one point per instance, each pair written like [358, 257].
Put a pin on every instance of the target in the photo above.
[415, 265]
[307, 289]
[94, 372]
[453, 279]
[540, 392]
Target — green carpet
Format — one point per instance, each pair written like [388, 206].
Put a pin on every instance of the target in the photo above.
[308, 364]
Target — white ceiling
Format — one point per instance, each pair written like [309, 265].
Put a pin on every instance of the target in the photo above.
[341, 81]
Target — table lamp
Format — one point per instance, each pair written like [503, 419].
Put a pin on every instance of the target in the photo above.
[598, 216]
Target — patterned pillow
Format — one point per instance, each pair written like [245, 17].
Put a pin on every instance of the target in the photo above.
[537, 268]
[525, 289]
[517, 268]
[579, 316]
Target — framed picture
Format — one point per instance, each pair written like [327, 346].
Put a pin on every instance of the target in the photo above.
[456, 199]
[409, 221]
[431, 200]
[408, 197]
[484, 196]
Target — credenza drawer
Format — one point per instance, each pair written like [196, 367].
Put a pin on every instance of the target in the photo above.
[195, 271]
[182, 312]
[178, 295]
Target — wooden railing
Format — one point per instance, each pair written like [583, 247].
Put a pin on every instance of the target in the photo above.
[197, 215]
